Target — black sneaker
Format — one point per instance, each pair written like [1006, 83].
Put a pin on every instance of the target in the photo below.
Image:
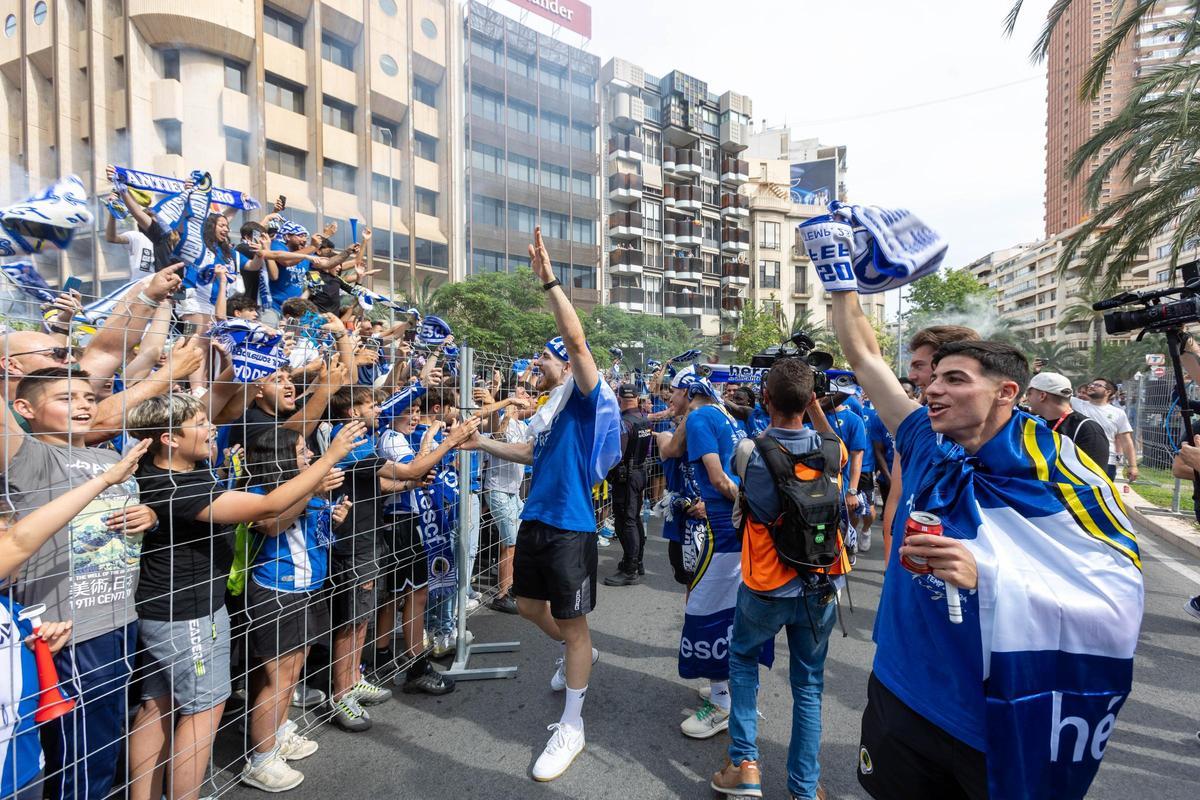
[641, 568]
[432, 682]
[622, 579]
[504, 604]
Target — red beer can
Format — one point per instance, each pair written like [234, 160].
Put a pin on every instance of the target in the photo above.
[920, 522]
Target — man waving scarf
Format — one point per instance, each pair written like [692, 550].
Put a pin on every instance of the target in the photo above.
[1005, 650]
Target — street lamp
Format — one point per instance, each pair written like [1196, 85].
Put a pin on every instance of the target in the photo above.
[391, 216]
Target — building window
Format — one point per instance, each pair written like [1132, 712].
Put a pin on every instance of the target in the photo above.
[171, 133]
[653, 257]
[710, 264]
[583, 230]
[486, 158]
[489, 51]
[431, 254]
[383, 131]
[237, 147]
[711, 232]
[654, 299]
[488, 261]
[336, 51]
[284, 93]
[488, 105]
[556, 177]
[10, 26]
[768, 274]
[555, 225]
[653, 147]
[425, 146]
[386, 190]
[235, 75]
[801, 279]
[552, 76]
[554, 128]
[583, 183]
[284, 160]
[427, 201]
[652, 217]
[388, 7]
[170, 64]
[389, 66]
[712, 299]
[39, 12]
[340, 176]
[521, 64]
[338, 114]
[583, 276]
[522, 116]
[522, 218]
[522, 168]
[283, 26]
[583, 137]
[425, 92]
[583, 86]
[487, 211]
[768, 235]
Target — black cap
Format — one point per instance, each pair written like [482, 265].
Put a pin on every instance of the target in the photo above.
[627, 391]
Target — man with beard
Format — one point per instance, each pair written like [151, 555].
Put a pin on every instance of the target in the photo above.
[1099, 407]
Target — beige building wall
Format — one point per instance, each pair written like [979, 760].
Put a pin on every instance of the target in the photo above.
[91, 84]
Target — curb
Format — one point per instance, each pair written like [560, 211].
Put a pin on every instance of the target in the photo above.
[1164, 528]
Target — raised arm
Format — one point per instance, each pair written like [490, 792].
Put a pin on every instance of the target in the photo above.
[858, 342]
[108, 349]
[110, 412]
[150, 347]
[516, 452]
[583, 366]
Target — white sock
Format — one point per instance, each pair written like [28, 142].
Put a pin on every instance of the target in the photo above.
[573, 708]
[720, 694]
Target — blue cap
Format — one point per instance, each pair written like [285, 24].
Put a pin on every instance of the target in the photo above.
[559, 349]
[292, 229]
[702, 386]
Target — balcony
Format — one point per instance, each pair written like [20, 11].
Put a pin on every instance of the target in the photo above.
[735, 273]
[625, 225]
[732, 304]
[627, 298]
[734, 206]
[626, 261]
[683, 268]
[686, 164]
[626, 111]
[668, 160]
[626, 148]
[735, 171]
[668, 194]
[683, 304]
[685, 232]
[735, 240]
[625, 187]
[687, 198]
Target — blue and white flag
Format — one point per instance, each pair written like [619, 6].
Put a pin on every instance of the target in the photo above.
[433, 331]
[1058, 606]
[891, 246]
[685, 357]
[49, 217]
[253, 349]
[100, 309]
[185, 213]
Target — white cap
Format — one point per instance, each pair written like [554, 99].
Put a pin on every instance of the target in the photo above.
[1051, 383]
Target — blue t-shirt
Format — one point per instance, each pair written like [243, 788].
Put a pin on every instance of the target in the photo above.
[878, 432]
[850, 428]
[759, 420]
[657, 404]
[854, 404]
[290, 282]
[443, 492]
[868, 465]
[297, 560]
[710, 429]
[21, 756]
[941, 678]
[560, 491]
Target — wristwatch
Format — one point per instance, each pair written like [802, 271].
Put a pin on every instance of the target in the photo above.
[548, 286]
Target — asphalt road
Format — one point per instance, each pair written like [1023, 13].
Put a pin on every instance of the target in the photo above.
[481, 741]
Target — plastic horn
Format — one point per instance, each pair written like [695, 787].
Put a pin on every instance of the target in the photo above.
[353, 230]
[52, 704]
[954, 601]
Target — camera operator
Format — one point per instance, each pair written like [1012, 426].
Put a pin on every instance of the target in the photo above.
[1049, 397]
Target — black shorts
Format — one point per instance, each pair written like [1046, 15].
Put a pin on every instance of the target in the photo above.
[350, 601]
[903, 755]
[866, 485]
[282, 622]
[410, 567]
[885, 486]
[556, 565]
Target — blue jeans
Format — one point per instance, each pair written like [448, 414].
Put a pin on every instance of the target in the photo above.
[756, 621]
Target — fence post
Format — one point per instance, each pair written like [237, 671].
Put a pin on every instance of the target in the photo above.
[466, 646]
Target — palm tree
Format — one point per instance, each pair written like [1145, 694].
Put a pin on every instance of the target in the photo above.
[1152, 143]
[1056, 356]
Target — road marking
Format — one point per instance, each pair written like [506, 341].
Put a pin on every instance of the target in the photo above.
[1168, 561]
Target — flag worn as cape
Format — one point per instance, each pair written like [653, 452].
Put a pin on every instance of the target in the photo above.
[606, 443]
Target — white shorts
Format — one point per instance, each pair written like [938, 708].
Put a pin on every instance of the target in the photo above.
[196, 301]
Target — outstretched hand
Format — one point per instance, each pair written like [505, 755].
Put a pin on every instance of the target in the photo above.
[539, 257]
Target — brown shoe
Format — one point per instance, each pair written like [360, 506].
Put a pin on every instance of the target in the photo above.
[820, 795]
[744, 780]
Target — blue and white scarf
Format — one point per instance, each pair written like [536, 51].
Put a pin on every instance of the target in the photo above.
[892, 246]
[49, 217]
[161, 184]
[253, 349]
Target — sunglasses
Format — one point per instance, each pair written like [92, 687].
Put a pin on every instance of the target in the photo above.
[57, 353]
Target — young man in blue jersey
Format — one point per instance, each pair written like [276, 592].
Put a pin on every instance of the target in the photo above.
[554, 570]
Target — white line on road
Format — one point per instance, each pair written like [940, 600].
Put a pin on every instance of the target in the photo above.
[1168, 561]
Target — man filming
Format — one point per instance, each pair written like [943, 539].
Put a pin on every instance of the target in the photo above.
[976, 630]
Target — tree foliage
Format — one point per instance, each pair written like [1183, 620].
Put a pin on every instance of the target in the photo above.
[944, 292]
[759, 329]
[640, 336]
[499, 312]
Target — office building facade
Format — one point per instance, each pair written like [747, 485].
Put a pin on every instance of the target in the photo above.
[345, 107]
[531, 151]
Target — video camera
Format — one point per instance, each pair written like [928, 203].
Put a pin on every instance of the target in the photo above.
[799, 345]
[1155, 315]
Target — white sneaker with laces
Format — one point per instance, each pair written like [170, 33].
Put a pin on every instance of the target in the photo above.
[708, 721]
[273, 775]
[561, 750]
[864, 541]
[293, 746]
[558, 682]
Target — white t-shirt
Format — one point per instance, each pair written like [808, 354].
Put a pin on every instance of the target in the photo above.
[500, 474]
[141, 251]
[1112, 419]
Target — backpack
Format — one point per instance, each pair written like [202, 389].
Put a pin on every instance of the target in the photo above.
[805, 533]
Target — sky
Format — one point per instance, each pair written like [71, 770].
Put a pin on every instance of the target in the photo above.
[968, 159]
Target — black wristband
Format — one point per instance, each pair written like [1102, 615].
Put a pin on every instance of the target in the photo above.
[548, 286]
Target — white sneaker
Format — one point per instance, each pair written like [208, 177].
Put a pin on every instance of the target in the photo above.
[864, 541]
[708, 721]
[602, 541]
[561, 750]
[472, 604]
[705, 692]
[559, 682]
[273, 775]
[445, 644]
[293, 746]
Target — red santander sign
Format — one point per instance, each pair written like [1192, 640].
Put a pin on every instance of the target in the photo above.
[571, 14]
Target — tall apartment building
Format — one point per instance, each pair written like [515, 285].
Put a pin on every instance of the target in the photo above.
[813, 164]
[779, 274]
[346, 107]
[532, 123]
[676, 234]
